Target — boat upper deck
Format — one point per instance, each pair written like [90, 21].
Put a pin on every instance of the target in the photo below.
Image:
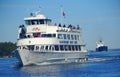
[41, 33]
[38, 24]
[38, 28]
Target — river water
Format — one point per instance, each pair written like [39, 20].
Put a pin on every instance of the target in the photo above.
[99, 64]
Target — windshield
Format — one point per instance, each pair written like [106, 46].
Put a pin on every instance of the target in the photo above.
[37, 22]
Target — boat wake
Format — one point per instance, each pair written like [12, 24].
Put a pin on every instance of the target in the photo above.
[102, 59]
[89, 60]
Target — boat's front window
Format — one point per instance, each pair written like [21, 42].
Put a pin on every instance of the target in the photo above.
[34, 22]
[38, 21]
[48, 21]
[41, 21]
[27, 22]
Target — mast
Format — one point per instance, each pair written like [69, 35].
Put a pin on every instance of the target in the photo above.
[61, 8]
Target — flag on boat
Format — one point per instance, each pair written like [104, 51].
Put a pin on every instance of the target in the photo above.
[63, 13]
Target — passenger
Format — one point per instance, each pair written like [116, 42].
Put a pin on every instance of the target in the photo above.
[74, 27]
[78, 27]
[33, 23]
[55, 24]
[59, 25]
[70, 26]
[64, 26]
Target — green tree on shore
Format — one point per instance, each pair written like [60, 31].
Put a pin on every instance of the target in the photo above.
[6, 48]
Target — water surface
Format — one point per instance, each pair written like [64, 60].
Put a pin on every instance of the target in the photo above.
[100, 64]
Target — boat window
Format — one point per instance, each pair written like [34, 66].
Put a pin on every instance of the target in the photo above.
[59, 36]
[37, 47]
[50, 47]
[61, 47]
[48, 21]
[56, 47]
[44, 35]
[73, 48]
[28, 36]
[68, 37]
[49, 35]
[34, 22]
[41, 21]
[79, 47]
[76, 47]
[42, 48]
[28, 22]
[54, 35]
[64, 36]
[66, 47]
[31, 47]
[18, 47]
[46, 48]
[75, 37]
[69, 47]
[72, 37]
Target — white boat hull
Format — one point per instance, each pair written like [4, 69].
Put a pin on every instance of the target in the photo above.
[35, 57]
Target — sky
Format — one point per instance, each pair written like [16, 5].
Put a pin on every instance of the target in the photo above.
[99, 19]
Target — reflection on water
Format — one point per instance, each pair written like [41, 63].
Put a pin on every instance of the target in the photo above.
[95, 66]
[50, 70]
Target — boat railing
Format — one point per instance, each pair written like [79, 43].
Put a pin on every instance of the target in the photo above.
[69, 28]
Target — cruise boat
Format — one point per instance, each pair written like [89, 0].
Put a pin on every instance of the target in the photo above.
[40, 42]
[100, 46]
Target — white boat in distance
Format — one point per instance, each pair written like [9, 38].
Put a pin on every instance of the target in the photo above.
[40, 42]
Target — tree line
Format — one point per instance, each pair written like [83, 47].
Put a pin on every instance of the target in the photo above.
[7, 48]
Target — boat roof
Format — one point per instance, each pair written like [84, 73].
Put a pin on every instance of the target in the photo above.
[36, 16]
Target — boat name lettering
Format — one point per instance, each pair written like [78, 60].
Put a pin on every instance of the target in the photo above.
[36, 29]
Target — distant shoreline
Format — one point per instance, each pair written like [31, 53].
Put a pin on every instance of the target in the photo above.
[6, 56]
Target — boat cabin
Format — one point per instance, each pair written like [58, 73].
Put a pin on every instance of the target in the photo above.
[37, 20]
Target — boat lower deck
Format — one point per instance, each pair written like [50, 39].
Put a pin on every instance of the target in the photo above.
[34, 57]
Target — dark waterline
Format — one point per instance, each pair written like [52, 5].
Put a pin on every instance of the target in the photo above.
[100, 64]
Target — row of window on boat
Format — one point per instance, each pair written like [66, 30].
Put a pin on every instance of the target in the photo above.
[48, 21]
[59, 36]
[51, 48]
[37, 22]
